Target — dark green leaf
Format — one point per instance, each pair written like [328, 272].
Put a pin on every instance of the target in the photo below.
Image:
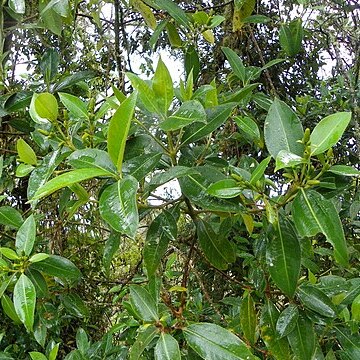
[39, 282]
[225, 189]
[314, 214]
[118, 206]
[141, 166]
[349, 342]
[75, 305]
[49, 64]
[10, 217]
[111, 247]
[25, 301]
[283, 256]
[213, 342]
[160, 232]
[287, 320]
[248, 318]
[328, 132]
[291, 36]
[9, 309]
[192, 62]
[75, 106]
[70, 80]
[217, 249]
[18, 101]
[248, 126]
[175, 11]
[235, 62]
[282, 130]
[143, 340]
[58, 266]
[316, 300]
[259, 171]
[143, 303]
[302, 338]
[344, 170]
[82, 340]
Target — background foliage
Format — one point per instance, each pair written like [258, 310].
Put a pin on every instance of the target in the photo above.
[179, 180]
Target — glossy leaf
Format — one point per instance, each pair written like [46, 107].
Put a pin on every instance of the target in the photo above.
[167, 348]
[344, 170]
[349, 342]
[58, 266]
[143, 303]
[355, 309]
[72, 79]
[285, 159]
[10, 217]
[291, 36]
[314, 214]
[225, 189]
[17, 6]
[9, 253]
[287, 320]
[259, 171]
[235, 62]
[145, 12]
[118, 130]
[25, 237]
[248, 318]
[143, 340]
[279, 348]
[92, 158]
[192, 62]
[217, 249]
[25, 152]
[328, 132]
[140, 166]
[283, 256]
[74, 105]
[67, 179]
[241, 94]
[43, 108]
[248, 126]
[316, 300]
[174, 10]
[302, 338]
[189, 112]
[216, 116]
[118, 206]
[41, 287]
[282, 130]
[160, 232]
[24, 301]
[35, 355]
[82, 340]
[75, 305]
[213, 342]
[111, 247]
[9, 309]
[163, 86]
[173, 35]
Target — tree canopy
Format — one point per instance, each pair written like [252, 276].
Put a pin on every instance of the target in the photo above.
[179, 179]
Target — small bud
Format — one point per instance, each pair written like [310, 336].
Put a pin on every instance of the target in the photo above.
[306, 136]
[313, 182]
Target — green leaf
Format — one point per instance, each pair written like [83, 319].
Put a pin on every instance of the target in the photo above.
[248, 318]
[9, 309]
[344, 170]
[49, 64]
[285, 159]
[287, 320]
[82, 341]
[355, 309]
[283, 256]
[24, 170]
[259, 171]
[111, 247]
[145, 12]
[189, 112]
[61, 7]
[282, 130]
[17, 6]
[316, 300]
[92, 158]
[10, 217]
[35, 355]
[24, 301]
[75, 106]
[143, 340]
[25, 152]
[211, 341]
[163, 87]
[313, 214]
[118, 130]
[9, 253]
[256, 19]
[38, 257]
[58, 266]
[175, 11]
[118, 206]
[235, 62]
[217, 249]
[328, 132]
[140, 166]
[173, 35]
[167, 348]
[241, 94]
[302, 338]
[25, 237]
[278, 348]
[145, 94]
[216, 116]
[39, 282]
[75, 305]
[192, 62]
[160, 232]
[291, 36]
[43, 108]
[248, 127]
[67, 179]
[225, 189]
[73, 79]
[143, 303]
[349, 342]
